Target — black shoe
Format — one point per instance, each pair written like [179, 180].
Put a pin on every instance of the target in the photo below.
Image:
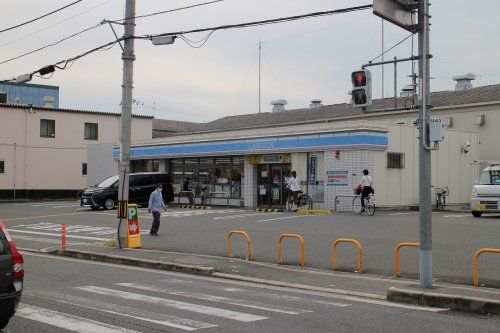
[362, 210]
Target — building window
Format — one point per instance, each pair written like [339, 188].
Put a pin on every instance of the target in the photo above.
[84, 169]
[395, 160]
[3, 98]
[90, 132]
[47, 128]
[2, 166]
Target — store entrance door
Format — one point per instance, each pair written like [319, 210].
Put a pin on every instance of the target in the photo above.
[271, 183]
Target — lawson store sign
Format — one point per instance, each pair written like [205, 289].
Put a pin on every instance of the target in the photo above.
[368, 140]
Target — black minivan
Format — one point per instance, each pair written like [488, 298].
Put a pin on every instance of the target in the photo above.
[141, 184]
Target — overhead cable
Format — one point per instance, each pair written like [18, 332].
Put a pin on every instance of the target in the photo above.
[258, 23]
[40, 17]
[381, 54]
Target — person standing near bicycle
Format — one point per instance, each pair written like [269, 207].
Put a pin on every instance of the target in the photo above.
[294, 187]
[367, 189]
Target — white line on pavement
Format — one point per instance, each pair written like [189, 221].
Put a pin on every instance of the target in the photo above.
[412, 213]
[149, 316]
[56, 235]
[459, 215]
[67, 321]
[218, 299]
[208, 310]
[283, 218]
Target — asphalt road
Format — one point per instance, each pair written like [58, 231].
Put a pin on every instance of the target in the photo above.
[456, 236]
[68, 295]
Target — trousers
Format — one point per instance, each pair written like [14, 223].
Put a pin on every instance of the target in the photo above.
[156, 223]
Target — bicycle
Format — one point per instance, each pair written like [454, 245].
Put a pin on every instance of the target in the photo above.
[369, 205]
[305, 201]
[441, 194]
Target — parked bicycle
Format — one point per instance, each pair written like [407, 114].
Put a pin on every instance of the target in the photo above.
[369, 205]
[305, 201]
[441, 194]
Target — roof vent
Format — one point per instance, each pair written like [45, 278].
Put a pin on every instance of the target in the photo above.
[279, 105]
[464, 81]
[407, 91]
[315, 104]
[48, 102]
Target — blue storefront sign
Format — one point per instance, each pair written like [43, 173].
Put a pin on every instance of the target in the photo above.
[312, 170]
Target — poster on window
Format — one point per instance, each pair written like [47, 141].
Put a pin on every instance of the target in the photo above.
[337, 177]
[312, 170]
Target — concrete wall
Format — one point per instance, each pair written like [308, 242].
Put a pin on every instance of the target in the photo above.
[36, 163]
[100, 163]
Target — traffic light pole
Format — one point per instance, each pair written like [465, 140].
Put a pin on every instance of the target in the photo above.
[425, 217]
[128, 58]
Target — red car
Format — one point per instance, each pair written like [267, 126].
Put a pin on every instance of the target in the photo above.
[11, 276]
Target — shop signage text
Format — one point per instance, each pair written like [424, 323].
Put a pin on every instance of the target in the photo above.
[337, 177]
[270, 159]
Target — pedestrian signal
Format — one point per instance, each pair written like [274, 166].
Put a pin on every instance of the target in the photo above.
[362, 88]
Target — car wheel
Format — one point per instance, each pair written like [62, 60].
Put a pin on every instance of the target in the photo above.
[109, 203]
[476, 213]
[3, 323]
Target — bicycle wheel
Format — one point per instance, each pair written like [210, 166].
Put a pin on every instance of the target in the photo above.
[356, 205]
[289, 204]
[370, 206]
[309, 202]
[441, 202]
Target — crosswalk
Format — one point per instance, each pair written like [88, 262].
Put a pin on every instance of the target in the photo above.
[163, 305]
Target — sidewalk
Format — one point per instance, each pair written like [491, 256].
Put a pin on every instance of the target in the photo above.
[457, 297]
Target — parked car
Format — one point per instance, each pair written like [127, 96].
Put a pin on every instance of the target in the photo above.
[105, 194]
[11, 277]
[485, 196]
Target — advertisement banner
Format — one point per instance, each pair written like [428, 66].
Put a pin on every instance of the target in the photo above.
[312, 170]
[337, 177]
[270, 159]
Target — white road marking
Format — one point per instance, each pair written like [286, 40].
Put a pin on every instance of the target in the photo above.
[208, 310]
[67, 321]
[285, 217]
[65, 206]
[242, 215]
[218, 299]
[55, 234]
[149, 316]
[459, 215]
[412, 213]
[250, 284]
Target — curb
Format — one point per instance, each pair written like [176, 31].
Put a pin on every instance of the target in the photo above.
[314, 211]
[275, 283]
[196, 207]
[269, 210]
[161, 265]
[449, 301]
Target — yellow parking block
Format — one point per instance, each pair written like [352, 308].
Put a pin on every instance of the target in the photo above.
[268, 210]
[314, 211]
[196, 207]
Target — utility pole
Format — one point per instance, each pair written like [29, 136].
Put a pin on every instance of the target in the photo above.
[383, 92]
[424, 149]
[260, 47]
[128, 58]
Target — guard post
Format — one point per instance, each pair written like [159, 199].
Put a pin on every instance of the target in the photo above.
[133, 230]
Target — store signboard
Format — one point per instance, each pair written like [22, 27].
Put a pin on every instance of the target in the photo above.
[312, 170]
[337, 177]
[270, 159]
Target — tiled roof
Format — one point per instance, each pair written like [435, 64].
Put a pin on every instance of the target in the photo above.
[24, 106]
[163, 127]
[331, 112]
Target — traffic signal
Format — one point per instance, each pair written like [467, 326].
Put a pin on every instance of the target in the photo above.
[361, 88]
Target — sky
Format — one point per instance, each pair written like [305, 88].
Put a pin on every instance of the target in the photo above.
[300, 60]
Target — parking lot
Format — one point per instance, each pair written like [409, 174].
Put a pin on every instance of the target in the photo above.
[456, 236]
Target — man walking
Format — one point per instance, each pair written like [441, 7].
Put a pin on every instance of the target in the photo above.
[155, 206]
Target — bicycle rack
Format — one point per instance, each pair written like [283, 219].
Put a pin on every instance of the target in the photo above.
[247, 241]
[476, 262]
[348, 240]
[280, 251]
[396, 255]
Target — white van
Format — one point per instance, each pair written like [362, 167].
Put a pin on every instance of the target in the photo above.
[485, 196]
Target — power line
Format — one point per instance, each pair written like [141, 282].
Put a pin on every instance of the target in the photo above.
[259, 23]
[40, 17]
[170, 10]
[51, 44]
[53, 25]
[401, 41]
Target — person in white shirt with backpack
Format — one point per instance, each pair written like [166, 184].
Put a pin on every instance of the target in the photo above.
[294, 186]
[366, 182]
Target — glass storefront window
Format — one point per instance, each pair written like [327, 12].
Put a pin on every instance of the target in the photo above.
[210, 174]
[144, 166]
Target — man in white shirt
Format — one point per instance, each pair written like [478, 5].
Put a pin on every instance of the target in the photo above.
[294, 186]
[366, 182]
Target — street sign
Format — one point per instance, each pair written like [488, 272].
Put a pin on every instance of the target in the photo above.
[133, 230]
[398, 12]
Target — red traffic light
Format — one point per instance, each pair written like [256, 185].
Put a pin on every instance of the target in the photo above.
[358, 79]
